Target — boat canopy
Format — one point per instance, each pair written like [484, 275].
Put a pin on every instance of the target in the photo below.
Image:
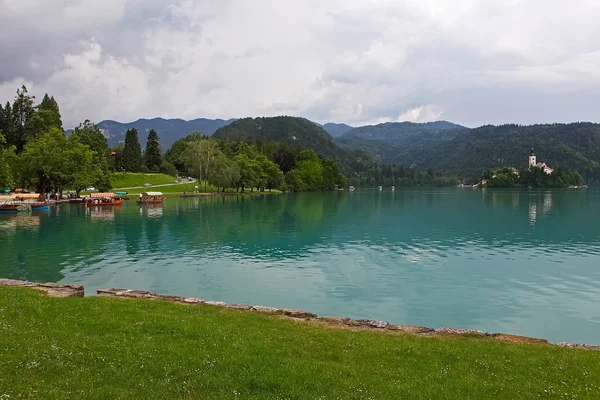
[155, 194]
[121, 193]
[102, 195]
[28, 195]
[6, 198]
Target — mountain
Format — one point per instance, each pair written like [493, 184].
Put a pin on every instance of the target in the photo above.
[291, 130]
[398, 142]
[336, 130]
[169, 130]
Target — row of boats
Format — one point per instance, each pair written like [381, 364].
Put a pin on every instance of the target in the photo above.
[35, 201]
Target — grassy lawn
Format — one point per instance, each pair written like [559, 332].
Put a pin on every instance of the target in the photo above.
[63, 348]
[130, 179]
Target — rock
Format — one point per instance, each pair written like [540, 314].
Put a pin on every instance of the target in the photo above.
[137, 294]
[51, 289]
[112, 292]
[215, 303]
[240, 306]
[458, 331]
[265, 309]
[417, 330]
[373, 323]
[192, 300]
[578, 346]
[504, 337]
[297, 313]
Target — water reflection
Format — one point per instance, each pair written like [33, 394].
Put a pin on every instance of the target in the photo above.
[518, 261]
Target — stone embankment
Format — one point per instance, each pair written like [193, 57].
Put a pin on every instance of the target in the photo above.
[60, 290]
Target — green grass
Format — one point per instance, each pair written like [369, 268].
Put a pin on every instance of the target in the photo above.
[104, 348]
[131, 179]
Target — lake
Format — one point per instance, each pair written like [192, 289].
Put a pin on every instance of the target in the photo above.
[514, 261]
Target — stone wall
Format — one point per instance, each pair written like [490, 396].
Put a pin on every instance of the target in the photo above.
[58, 290]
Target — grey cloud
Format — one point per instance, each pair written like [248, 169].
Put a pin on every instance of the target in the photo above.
[471, 62]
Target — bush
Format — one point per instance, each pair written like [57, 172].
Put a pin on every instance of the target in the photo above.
[144, 169]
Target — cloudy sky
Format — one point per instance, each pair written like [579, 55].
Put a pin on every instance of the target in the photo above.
[468, 61]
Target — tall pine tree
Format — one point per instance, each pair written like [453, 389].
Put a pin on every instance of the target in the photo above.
[152, 155]
[132, 153]
[22, 112]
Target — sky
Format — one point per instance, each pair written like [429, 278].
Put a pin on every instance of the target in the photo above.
[472, 62]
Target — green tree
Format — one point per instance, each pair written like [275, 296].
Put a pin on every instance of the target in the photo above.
[294, 181]
[249, 171]
[176, 154]
[88, 133]
[167, 168]
[226, 174]
[22, 112]
[6, 175]
[51, 162]
[132, 152]
[153, 155]
[200, 158]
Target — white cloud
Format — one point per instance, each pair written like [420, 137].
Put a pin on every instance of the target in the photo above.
[468, 61]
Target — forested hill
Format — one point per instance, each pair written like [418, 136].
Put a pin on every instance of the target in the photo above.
[293, 131]
[169, 130]
[397, 142]
[570, 146]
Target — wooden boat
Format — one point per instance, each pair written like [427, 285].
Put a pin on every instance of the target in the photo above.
[39, 205]
[78, 200]
[151, 198]
[102, 200]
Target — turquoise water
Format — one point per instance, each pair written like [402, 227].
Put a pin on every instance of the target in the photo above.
[522, 262]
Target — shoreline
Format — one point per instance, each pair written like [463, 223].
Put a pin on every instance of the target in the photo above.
[72, 290]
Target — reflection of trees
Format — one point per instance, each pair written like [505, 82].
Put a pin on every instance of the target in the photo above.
[288, 226]
[64, 238]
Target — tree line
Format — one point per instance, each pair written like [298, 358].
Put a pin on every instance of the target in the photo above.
[262, 165]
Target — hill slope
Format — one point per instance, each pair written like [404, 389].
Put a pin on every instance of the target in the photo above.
[291, 130]
[397, 142]
[169, 130]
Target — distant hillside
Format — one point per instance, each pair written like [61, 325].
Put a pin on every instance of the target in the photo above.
[169, 130]
[336, 130]
[571, 146]
[397, 142]
[291, 130]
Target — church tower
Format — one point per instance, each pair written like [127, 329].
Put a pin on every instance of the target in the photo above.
[532, 159]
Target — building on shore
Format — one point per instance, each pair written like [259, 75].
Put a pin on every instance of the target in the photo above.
[534, 163]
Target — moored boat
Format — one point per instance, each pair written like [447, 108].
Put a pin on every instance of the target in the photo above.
[351, 188]
[151, 198]
[102, 200]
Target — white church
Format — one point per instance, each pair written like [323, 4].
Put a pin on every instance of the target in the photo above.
[533, 163]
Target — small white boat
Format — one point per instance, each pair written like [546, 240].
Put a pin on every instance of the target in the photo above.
[393, 188]
[380, 188]
[351, 188]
